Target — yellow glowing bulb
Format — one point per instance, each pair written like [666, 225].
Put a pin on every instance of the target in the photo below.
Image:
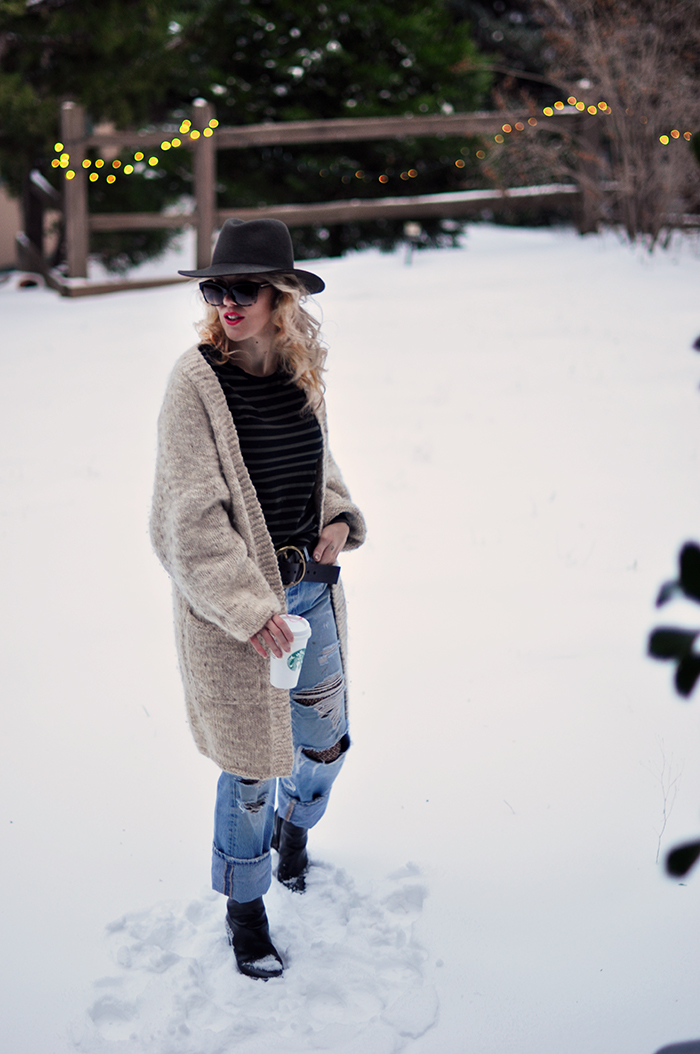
[94, 176]
[207, 132]
[507, 128]
[664, 139]
[687, 135]
[165, 145]
[593, 109]
[571, 100]
[675, 133]
[63, 164]
[602, 106]
[58, 147]
[70, 174]
[580, 106]
[153, 160]
[559, 106]
[548, 111]
[128, 169]
[65, 157]
[138, 156]
[195, 134]
[185, 126]
[55, 163]
[116, 163]
[111, 178]
[213, 123]
[87, 162]
[499, 138]
[99, 163]
[176, 142]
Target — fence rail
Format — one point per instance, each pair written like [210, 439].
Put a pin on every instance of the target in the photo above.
[206, 218]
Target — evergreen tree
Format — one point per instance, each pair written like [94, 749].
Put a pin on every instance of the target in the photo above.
[512, 44]
[114, 58]
[135, 61]
[262, 60]
[111, 56]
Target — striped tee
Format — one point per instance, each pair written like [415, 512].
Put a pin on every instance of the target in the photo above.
[280, 443]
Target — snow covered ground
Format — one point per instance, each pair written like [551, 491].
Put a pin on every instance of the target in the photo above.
[519, 420]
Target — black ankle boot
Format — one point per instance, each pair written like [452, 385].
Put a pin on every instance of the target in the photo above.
[249, 935]
[290, 842]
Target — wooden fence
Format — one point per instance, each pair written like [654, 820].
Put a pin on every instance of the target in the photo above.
[206, 218]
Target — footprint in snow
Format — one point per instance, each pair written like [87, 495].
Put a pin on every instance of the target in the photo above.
[354, 981]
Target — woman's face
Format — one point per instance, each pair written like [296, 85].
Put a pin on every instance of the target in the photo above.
[255, 320]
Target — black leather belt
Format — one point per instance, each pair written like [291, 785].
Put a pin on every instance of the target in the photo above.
[296, 566]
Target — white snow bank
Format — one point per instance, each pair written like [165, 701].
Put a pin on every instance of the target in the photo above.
[355, 980]
[519, 419]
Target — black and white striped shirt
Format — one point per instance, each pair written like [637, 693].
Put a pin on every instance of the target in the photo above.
[281, 443]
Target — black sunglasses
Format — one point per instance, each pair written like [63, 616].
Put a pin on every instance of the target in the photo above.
[243, 294]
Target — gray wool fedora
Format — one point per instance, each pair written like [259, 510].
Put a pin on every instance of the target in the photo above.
[255, 247]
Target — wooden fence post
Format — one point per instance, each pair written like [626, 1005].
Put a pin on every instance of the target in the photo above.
[33, 215]
[204, 180]
[75, 191]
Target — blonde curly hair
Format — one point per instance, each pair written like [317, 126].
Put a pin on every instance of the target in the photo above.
[298, 341]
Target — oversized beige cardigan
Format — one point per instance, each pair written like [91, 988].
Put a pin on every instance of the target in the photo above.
[208, 530]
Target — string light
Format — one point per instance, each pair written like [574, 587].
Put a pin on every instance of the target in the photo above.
[603, 107]
[62, 160]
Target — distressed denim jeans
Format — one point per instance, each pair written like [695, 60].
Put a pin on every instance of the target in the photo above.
[244, 815]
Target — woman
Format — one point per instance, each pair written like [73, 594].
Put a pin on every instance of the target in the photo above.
[249, 515]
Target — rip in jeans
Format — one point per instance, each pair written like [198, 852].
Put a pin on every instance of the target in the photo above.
[330, 754]
[251, 806]
[327, 698]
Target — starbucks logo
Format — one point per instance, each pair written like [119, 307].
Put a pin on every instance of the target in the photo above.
[295, 659]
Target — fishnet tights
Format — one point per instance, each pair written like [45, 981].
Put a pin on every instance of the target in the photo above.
[327, 755]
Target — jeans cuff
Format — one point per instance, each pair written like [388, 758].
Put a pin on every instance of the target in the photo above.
[241, 880]
[301, 813]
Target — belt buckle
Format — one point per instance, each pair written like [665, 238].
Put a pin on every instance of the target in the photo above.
[294, 549]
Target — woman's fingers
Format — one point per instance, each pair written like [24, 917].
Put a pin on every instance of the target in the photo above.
[330, 542]
[258, 646]
[285, 633]
[276, 635]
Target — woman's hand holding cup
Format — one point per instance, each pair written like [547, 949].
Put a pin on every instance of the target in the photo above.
[276, 634]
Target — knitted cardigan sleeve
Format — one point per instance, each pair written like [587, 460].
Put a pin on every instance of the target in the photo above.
[192, 521]
[337, 503]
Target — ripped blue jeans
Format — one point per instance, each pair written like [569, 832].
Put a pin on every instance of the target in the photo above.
[244, 816]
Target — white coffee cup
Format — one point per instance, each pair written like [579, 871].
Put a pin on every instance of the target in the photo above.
[284, 672]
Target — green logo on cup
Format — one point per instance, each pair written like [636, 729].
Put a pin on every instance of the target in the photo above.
[295, 659]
